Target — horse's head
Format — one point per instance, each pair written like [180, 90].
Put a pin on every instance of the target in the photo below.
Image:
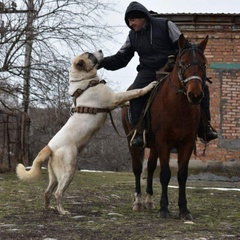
[191, 67]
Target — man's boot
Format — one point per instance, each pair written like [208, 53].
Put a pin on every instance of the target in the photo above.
[206, 132]
[139, 138]
[211, 133]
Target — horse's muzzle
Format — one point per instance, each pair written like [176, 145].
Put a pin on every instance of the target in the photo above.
[195, 98]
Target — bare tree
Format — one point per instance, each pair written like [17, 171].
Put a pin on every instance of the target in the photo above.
[39, 40]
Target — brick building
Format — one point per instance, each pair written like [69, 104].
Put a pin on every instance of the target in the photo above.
[223, 55]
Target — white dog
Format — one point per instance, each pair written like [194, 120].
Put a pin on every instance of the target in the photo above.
[92, 101]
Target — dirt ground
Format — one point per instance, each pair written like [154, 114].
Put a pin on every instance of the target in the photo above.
[101, 209]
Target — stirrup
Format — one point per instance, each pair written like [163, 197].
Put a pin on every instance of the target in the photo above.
[143, 138]
[209, 135]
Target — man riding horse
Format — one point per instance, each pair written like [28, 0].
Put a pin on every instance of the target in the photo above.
[154, 39]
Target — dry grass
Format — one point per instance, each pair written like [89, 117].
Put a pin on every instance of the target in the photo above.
[100, 204]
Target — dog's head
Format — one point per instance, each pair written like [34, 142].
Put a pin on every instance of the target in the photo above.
[83, 67]
[87, 62]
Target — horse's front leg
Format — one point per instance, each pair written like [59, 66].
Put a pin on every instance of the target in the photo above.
[137, 164]
[183, 160]
[151, 166]
[165, 175]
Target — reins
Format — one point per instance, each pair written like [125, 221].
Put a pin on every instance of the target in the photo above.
[178, 90]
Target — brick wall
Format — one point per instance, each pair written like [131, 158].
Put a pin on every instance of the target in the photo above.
[223, 55]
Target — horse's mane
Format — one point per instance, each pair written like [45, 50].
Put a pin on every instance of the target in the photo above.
[192, 45]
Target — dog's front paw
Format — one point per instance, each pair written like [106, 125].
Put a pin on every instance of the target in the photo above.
[151, 85]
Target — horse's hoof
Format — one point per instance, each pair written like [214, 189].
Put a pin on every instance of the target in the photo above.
[149, 205]
[163, 214]
[137, 206]
[186, 216]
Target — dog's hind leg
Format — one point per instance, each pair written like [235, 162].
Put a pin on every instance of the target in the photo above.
[64, 171]
[51, 186]
[62, 186]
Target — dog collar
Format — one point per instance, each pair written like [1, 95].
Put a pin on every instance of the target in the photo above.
[80, 80]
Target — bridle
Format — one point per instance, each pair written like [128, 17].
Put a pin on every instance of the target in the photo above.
[182, 68]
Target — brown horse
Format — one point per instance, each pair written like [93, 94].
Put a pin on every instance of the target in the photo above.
[175, 117]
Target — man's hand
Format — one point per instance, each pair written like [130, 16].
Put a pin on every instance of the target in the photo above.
[100, 65]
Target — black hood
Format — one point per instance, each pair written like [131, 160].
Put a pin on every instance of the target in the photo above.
[136, 6]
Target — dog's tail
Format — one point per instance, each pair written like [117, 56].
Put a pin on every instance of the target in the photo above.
[35, 171]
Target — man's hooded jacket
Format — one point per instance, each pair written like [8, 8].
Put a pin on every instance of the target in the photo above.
[152, 43]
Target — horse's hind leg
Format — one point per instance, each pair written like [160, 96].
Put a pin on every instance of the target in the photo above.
[151, 166]
[137, 164]
[137, 155]
[183, 160]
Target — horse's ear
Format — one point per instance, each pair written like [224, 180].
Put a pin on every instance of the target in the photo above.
[182, 41]
[203, 43]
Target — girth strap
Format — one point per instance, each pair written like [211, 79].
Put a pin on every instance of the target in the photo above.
[90, 110]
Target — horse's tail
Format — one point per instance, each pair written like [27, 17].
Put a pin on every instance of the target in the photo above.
[35, 172]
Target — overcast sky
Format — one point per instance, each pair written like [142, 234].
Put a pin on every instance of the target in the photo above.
[121, 79]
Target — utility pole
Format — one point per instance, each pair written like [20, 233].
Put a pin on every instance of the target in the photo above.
[28, 53]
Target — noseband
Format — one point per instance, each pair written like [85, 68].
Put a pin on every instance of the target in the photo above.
[182, 68]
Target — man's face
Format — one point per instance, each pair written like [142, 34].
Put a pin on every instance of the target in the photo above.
[136, 23]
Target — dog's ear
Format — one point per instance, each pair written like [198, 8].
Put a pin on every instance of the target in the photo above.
[81, 64]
